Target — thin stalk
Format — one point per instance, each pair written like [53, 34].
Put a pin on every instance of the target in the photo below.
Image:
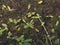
[45, 31]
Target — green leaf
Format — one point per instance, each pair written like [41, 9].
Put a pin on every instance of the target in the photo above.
[57, 23]
[3, 7]
[9, 33]
[35, 17]
[30, 25]
[36, 30]
[42, 23]
[21, 38]
[4, 25]
[53, 30]
[33, 13]
[19, 29]
[58, 16]
[10, 20]
[29, 14]
[20, 43]
[40, 2]
[24, 20]
[32, 22]
[29, 6]
[57, 42]
[26, 44]
[26, 26]
[28, 40]
[18, 20]
[1, 32]
[15, 21]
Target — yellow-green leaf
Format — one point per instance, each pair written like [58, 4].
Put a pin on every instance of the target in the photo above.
[3, 7]
[10, 20]
[42, 23]
[57, 23]
[29, 6]
[52, 30]
[5, 25]
[19, 29]
[40, 2]
[36, 30]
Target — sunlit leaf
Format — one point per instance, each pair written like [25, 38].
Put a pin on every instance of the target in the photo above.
[35, 17]
[19, 29]
[33, 13]
[9, 33]
[58, 16]
[40, 2]
[38, 15]
[4, 25]
[57, 23]
[10, 20]
[29, 6]
[32, 22]
[50, 16]
[42, 23]
[18, 20]
[9, 8]
[24, 20]
[29, 14]
[3, 7]
[26, 26]
[15, 21]
[30, 25]
[36, 30]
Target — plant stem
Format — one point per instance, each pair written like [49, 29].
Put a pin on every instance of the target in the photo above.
[45, 31]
